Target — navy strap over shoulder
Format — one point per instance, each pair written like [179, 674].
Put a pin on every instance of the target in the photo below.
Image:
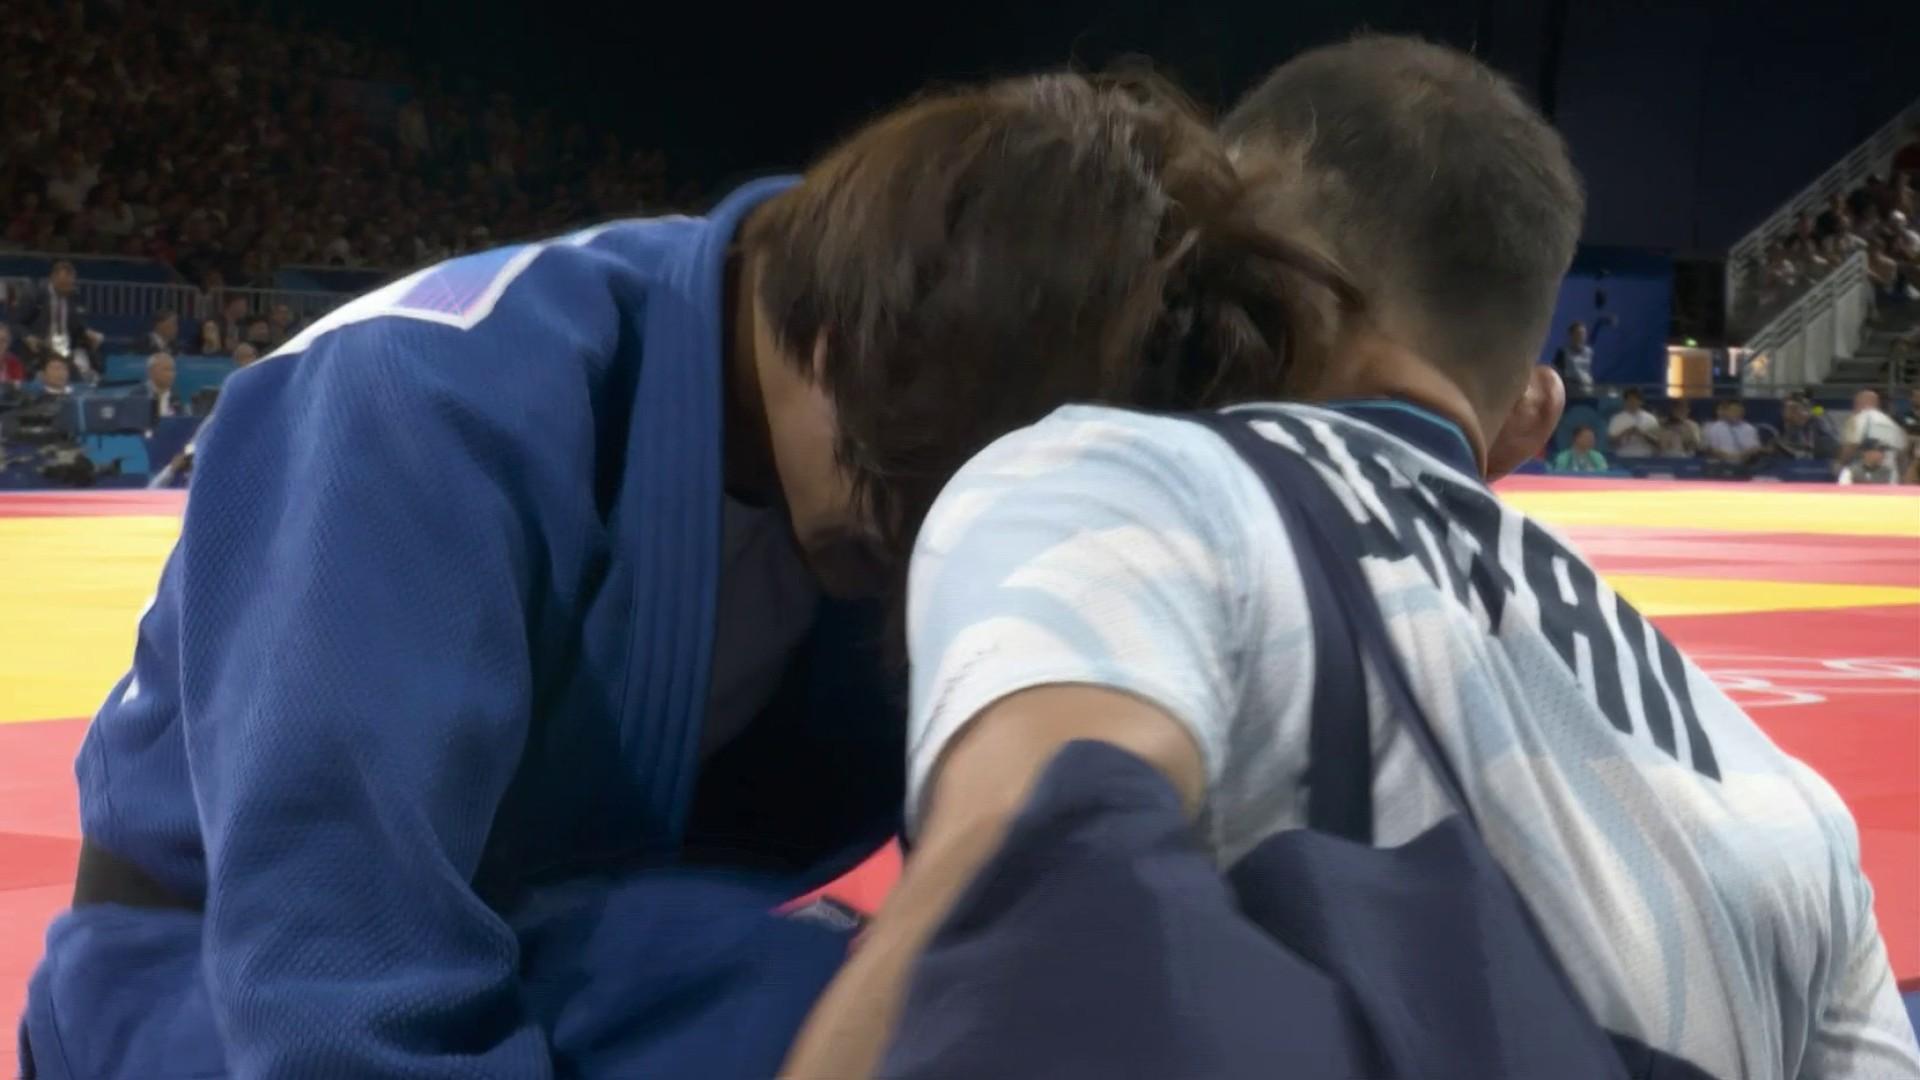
[1338, 595]
[1103, 941]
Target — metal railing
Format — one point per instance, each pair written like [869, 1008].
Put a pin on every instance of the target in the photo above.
[1797, 347]
[144, 299]
[306, 304]
[1874, 155]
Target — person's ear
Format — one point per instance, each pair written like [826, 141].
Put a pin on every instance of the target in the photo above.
[1529, 424]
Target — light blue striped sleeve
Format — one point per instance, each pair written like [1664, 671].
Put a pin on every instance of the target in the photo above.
[1080, 550]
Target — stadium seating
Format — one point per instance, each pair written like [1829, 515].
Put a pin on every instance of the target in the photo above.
[130, 451]
[125, 368]
[193, 374]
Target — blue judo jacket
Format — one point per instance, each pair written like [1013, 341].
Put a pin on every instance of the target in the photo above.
[413, 724]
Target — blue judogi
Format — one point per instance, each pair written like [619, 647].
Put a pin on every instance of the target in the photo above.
[412, 734]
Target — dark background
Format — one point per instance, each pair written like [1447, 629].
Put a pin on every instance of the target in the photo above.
[1691, 121]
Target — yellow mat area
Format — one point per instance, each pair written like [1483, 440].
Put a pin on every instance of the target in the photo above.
[1655, 596]
[72, 588]
[1761, 508]
[71, 592]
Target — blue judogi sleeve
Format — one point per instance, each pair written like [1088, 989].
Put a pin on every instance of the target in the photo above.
[380, 530]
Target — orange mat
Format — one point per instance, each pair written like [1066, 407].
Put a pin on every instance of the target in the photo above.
[1804, 601]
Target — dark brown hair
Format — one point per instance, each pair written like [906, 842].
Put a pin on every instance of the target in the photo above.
[1443, 191]
[980, 257]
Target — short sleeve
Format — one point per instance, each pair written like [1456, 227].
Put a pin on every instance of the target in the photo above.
[1077, 552]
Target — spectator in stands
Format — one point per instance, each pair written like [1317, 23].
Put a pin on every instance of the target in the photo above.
[1804, 434]
[160, 376]
[1868, 223]
[1875, 466]
[280, 325]
[1837, 217]
[1732, 442]
[1581, 456]
[1876, 194]
[1679, 434]
[71, 181]
[260, 334]
[211, 343]
[1574, 361]
[1869, 424]
[338, 249]
[1634, 432]
[233, 319]
[20, 224]
[109, 213]
[213, 295]
[1909, 421]
[244, 354]
[1804, 238]
[165, 334]
[1903, 242]
[55, 320]
[139, 195]
[1814, 259]
[1779, 276]
[1883, 270]
[13, 370]
[55, 379]
[1907, 161]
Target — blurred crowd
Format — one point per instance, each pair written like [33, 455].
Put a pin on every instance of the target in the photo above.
[1876, 442]
[1880, 218]
[48, 321]
[229, 145]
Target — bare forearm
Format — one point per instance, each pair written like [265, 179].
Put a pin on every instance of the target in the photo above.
[849, 1028]
[981, 783]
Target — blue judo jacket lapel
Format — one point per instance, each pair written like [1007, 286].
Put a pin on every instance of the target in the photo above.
[672, 510]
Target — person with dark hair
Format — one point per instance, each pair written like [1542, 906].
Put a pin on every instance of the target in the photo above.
[259, 333]
[1873, 466]
[1580, 456]
[164, 337]
[233, 320]
[280, 324]
[1731, 441]
[1836, 218]
[1574, 361]
[1633, 432]
[1161, 588]
[1805, 435]
[56, 380]
[535, 643]
[1680, 435]
[55, 320]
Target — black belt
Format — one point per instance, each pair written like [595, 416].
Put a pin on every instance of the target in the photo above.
[106, 878]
